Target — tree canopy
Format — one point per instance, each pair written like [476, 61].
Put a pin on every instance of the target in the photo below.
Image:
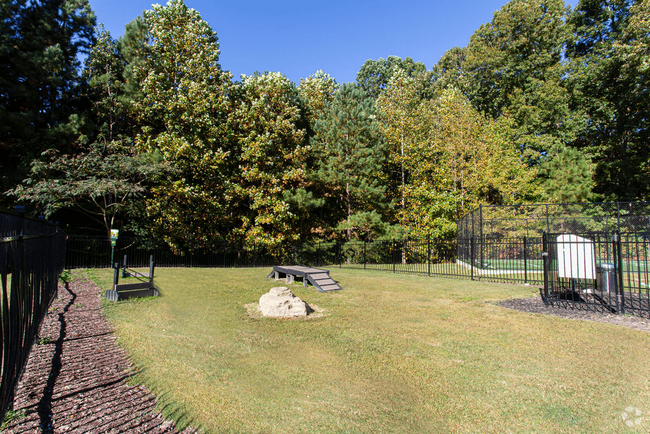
[150, 134]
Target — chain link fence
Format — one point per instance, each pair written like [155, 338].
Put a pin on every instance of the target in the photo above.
[532, 220]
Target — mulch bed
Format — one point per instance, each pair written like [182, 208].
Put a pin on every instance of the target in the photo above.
[536, 305]
[76, 378]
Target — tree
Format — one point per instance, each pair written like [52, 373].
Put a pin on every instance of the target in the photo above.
[107, 180]
[183, 112]
[102, 183]
[40, 103]
[104, 73]
[133, 47]
[400, 114]
[318, 90]
[479, 157]
[349, 150]
[448, 72]
[374, 75]
[609, 59]
[514, 67]
[271, 148]
[454, 158]
[568, 176]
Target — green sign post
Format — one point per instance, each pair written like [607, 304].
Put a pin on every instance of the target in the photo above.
[114, 234]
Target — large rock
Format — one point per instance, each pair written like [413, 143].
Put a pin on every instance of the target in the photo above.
[280, 302]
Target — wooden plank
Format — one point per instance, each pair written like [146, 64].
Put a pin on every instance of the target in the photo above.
[320, 276]
[133, 286]
[297, 269]
[333, 287]
[324, 281]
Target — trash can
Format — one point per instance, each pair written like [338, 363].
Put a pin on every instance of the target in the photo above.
[606, 278]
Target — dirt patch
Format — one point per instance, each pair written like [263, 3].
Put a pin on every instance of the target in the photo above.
[536, 305]
[76, 377]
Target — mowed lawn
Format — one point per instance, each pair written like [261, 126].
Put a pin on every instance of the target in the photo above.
[393, 353]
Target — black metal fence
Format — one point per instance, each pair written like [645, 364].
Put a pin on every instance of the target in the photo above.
[504, 260]
[96, 252]
[32, 256]
[508, 261]
[604, 272]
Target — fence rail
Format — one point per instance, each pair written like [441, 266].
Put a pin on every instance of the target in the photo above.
[32, 256]
[507, 261]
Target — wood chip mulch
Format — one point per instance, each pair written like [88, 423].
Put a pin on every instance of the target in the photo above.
[76, 378]
[536, 305]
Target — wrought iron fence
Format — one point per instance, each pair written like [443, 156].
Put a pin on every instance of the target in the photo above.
[95, 252]
[32, 256]
[498, 259]
[604, 272]
[508, 261]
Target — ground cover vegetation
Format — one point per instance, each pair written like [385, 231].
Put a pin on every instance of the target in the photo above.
[391, 353]
[151, 136]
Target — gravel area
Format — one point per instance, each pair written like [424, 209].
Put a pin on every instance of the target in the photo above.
[76, 378]
[536, 305]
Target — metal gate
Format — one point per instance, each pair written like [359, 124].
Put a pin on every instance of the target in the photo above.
[602, 272]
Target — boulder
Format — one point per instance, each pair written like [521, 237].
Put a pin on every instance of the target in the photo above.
[281, 303]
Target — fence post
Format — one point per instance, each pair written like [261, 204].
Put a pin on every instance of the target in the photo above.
[392, 255]
[364, 254]
[318, 254]
[525, 263]
[471, 257]
[545, 262]
[429, 255]
[480, 208]
[151, 268]
[340, 255]
[618, 268]
[116, 275]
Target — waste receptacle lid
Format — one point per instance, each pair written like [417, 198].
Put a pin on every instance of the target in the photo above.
[606, 266]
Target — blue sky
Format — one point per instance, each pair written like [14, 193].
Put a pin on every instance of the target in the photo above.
[299, 38]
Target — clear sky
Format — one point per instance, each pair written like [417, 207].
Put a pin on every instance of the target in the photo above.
[299, 38]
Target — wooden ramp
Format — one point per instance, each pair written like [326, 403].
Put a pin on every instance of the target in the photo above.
[320, 279]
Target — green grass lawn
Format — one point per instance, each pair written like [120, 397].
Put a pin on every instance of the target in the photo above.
[393, 353]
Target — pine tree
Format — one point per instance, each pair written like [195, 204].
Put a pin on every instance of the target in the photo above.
[350, 149]
[40, 89]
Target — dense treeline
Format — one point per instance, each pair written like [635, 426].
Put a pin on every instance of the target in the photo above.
[151, 136]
